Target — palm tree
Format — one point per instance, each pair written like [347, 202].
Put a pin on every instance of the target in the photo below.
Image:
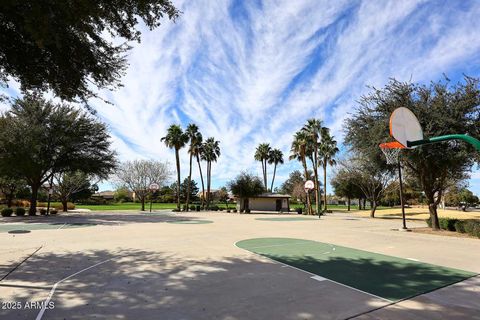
[313, 129]
[275, 157]
[261, 154]
[196, 150]
[211, 152]
[327, 150]
[191, 132]
[176, 139]
[298, 151]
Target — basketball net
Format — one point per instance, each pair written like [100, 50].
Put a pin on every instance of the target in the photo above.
[391, 150]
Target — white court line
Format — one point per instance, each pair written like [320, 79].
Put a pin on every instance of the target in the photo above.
[314, 275]
[50, 295]
[318, 278]
[413, 259]
[63, 225]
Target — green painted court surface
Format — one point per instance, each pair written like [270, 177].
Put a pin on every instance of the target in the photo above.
[42, 226]
[385, 276]
[286, 219]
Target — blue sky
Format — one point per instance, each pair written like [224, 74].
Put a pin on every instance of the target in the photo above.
[248, 72]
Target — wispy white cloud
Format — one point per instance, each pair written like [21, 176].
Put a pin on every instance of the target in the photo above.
[249, 72]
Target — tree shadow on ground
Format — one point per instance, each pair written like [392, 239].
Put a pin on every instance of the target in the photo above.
[101, 218]
[140, 284]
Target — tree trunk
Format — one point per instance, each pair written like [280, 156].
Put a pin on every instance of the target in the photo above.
[432, 208]
[348, 203]
[208, 185]
[309, 207]
[189, 182]
[315, 173]
[364, 203]
[65, 205]
[373, 207]
[32, 211]
[264, 168]
[325, 184]
[273, 178]
[9, 200]
[359, 203]
[143, 203]
[177, 159]
[203, 185]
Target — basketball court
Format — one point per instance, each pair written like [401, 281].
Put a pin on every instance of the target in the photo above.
[234, 266]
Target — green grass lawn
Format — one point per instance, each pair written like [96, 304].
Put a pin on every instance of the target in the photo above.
[127, 206]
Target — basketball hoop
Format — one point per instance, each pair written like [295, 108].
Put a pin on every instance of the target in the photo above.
[391, 150]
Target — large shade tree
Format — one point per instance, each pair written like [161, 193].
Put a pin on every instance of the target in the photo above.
[344, 185]
[66, 46]
[244, 186]
[176, 139]
[211, 152]
[39, 138]
[442, 108]
[138, 175]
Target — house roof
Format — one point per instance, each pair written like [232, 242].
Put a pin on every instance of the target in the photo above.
[272, 195]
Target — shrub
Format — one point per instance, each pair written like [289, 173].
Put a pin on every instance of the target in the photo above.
[7, 212]
[197, 208]
[247, 210]
[460, 226]
[472, 227]
[70, 206]
[469, 225]
[19, 212]
[192, 207]
[53, 211]
[43, 211]
[176, 210]
[299, 210]
[214, 208]
[447, 223]
[228, 211]
[234, 210]
[184, 207]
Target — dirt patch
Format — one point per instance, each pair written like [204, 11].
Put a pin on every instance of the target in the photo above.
[443, 233]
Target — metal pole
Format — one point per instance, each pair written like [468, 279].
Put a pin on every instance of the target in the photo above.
[401, 195]
[151, 197]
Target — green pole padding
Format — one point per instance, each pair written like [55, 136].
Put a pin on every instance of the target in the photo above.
[463, 137]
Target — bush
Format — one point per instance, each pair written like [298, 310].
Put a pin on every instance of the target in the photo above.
[184, 207]
[228, 210]
[43, 211]
[53, 211]
[197, 208]
[70, 206]
[176, 210]
[214, 208]
[472, 227]
[447, 223]
[192, 207]
[299, 210]
[20, 212]
[7, 212]
[247, 210]
[460, 226]
[234, 210]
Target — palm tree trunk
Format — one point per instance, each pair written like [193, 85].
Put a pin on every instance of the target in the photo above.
[177, 158]
[266, 178]
[208, 185]
[264, 175]
[189, 181]
[273, 178]
[315, 173]
[203, 185]
[309, 207]
[325, 184]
